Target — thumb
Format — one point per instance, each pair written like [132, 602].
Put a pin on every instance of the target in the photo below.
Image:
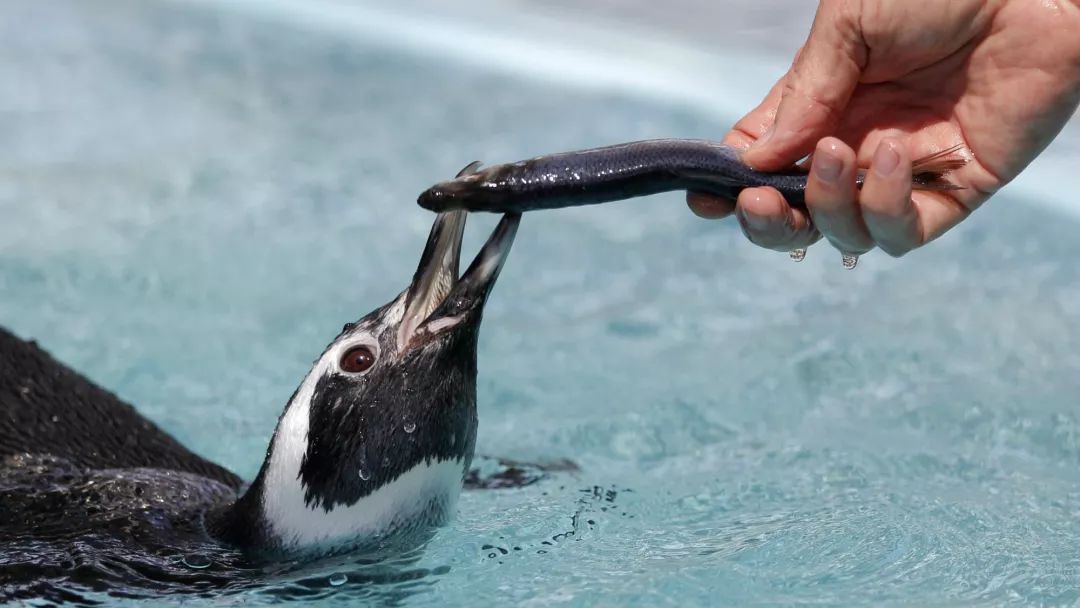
[815, 90]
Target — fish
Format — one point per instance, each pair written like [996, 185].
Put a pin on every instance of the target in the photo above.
[640, 168]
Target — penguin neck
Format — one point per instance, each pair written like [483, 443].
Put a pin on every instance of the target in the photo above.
[246, 522]
[274, 515]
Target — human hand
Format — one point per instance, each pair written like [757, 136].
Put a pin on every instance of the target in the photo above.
[895, 80]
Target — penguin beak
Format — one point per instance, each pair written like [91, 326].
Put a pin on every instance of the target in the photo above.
[437, 298]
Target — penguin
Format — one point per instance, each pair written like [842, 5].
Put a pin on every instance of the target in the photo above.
[369, 454]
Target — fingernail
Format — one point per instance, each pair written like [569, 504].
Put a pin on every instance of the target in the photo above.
[827, 166]
[886, 159]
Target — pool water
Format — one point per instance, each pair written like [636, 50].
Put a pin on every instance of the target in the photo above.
[195, 201]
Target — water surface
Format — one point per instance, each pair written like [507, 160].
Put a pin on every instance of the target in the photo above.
[195, 201]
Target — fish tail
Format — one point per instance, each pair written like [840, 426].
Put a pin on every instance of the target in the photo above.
[931, 172]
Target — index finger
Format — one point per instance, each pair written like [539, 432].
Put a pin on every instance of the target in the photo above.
[745, 132]
[757, 121]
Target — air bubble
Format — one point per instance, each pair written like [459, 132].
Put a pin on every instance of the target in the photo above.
[196, 561]
[409, 427]
[849, 261]
[338, 580]
[365, 475]
[798, 254]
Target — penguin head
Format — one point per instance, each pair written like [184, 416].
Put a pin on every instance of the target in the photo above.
[381, 432]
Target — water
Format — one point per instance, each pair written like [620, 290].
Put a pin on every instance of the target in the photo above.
[194, 202]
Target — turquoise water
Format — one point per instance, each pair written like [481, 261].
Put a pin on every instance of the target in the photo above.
[195, 202]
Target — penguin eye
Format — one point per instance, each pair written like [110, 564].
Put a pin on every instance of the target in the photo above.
[357, 359]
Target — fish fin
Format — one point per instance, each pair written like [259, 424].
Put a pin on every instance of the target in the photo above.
[713, 178]
[723, 186]
[504, 473]
[469, 169]
[930, 172]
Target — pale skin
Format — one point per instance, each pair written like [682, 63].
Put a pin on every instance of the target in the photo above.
[880, 82]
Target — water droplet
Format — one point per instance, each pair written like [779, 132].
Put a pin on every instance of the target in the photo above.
[338, 580]
[196, 561]
[453, 439]
[798, 254]
[409, 427]
[365, 475]
[849, 261]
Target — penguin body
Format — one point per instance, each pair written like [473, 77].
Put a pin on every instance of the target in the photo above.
[370, 452]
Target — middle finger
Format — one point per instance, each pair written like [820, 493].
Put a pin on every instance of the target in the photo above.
[832, 199]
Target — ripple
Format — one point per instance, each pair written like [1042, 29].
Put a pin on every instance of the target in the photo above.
[103, 570]
[819, 526]
[773, 433]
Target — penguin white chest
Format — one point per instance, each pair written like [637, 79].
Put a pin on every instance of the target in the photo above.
[423, 495]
